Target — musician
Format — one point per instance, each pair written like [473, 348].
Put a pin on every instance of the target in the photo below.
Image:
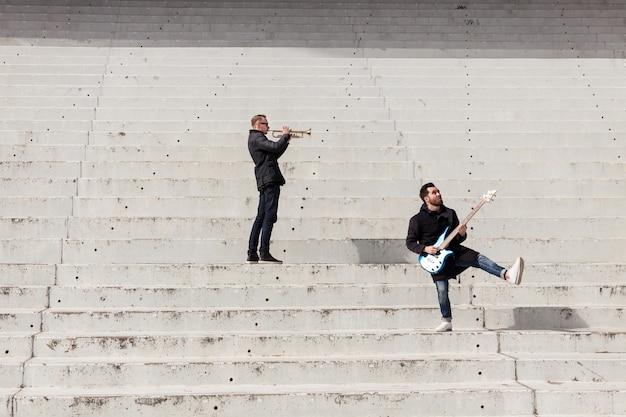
[269, 179]
[424, 230]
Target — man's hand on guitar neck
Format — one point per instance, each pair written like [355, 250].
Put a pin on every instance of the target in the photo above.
[461, 229]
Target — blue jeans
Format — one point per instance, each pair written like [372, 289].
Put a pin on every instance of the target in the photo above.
[481, 262]
[266, 216]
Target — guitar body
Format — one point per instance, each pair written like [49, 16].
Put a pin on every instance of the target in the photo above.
[434, 263]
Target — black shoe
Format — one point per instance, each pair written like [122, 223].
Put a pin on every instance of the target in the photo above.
[253, 258]
[266, 258]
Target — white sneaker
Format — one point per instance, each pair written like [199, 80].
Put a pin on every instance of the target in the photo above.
[516, 271]
[445, 326]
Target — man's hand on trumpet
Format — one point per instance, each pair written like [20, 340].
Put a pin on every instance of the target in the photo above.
[295, 134]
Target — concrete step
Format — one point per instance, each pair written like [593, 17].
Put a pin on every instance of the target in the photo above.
[511, 91]
[270, 344]
[233, 76]
[552, 317]
[209, 112]
[310, 150]
[445, 137]
[549, 295]
[485, 125]
[11, 372]
[561, 342]
[324, 170]
[320, 295]
[302, 400]
[38, 187]
[571, 367]
[46, 169]
[197, 274]
[218, 89]
[332, 207]
[228, 345]
[124, 72]
[44, 136]
[30, 129]
[291, 228]
[381, 251]
[27, 274]
[579, 398]
[182, 127]
[352, 170]
[15, 207]
[40, 153]
[259, 320]
[16, 345]
[477, 112]
[403, 369]
[70, 79]
[21, 320]
[528, 67]
[258, 296]
[307, 188]
[526, 103]
[478, 80]
[59, 92]
[31, 113]
[22, 102]
[30, 250]
[303, 169]
[172, 101]
[24, 296]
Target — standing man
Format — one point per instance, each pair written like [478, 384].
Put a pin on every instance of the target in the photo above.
[265, 154]
[424, 230]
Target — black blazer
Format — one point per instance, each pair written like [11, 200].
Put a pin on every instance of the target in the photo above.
[265, 154]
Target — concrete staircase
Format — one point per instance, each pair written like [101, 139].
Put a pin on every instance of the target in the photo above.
[127, 195]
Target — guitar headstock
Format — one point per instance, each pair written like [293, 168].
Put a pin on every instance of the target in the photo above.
[491, 194]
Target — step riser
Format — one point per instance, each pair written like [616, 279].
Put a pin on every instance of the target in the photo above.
[575, 369]
[323, 228]
[498, 293]
[308, 170]
[246, 188]
[298, 274]
[161, 251]
[256, 320]
[514, 400]
[610, 403]
[244, 297]
[338, 207]
[528, 342]
[11, 374]
[425, 371]
[22, 321]
[224, 345]
[331, 251]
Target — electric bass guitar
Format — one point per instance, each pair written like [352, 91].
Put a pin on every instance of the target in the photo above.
[434, 263]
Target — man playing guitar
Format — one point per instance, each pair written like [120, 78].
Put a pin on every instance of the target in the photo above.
[442, 254]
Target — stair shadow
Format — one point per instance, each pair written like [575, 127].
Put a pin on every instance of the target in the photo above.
[382, 251]
[547, 318]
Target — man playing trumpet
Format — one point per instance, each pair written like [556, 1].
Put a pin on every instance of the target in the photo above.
[265, 154]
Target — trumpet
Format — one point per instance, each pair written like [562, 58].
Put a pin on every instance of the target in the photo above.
[297, 134]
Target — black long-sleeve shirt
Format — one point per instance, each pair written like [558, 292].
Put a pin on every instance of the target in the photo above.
[426, 227]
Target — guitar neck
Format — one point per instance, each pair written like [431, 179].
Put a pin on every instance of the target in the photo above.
[466, 220]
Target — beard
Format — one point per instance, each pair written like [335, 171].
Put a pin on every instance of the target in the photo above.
[437, 202]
